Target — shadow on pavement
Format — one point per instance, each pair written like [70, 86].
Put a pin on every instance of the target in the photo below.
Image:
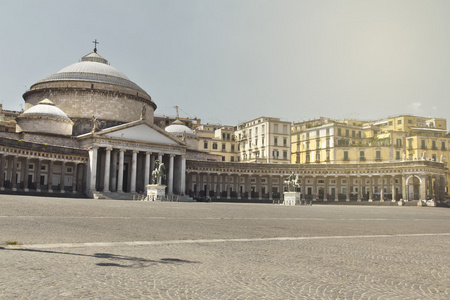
[114, 260]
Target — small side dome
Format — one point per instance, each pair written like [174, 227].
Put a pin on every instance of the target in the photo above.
[177, 128]
[44, 118]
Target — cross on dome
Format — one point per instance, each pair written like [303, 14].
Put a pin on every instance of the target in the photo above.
[95, 47]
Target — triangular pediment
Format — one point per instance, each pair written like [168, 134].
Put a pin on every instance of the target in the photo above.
[140, 131]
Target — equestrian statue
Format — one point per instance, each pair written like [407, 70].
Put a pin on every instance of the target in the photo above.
[158, 172]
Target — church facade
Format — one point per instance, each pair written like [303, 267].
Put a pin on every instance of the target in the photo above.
[89, 130]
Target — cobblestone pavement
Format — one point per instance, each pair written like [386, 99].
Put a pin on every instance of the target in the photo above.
[88, 249]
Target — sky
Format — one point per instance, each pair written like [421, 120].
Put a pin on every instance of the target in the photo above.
[232, 61]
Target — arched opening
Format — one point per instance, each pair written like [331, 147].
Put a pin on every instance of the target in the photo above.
[413, 188]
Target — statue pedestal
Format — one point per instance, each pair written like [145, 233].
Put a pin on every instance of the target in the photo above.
[291, 198]
[156, 192]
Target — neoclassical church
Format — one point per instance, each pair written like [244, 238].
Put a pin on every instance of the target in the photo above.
[88, 130]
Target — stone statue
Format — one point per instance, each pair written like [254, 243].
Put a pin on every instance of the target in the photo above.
[143, 112]
[158, 172]
[183, 137]
[292, 182]
[95, 124]
[423, 155]
[404, 155]
[442, 158]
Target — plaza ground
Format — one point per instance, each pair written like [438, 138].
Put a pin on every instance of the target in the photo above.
[103, 249]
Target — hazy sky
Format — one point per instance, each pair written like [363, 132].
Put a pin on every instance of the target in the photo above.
[232, 61]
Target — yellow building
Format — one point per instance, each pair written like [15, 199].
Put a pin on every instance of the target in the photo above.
[399, 138]
[219, 140]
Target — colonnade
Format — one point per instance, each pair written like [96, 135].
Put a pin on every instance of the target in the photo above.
[129, 170]
[54, 173]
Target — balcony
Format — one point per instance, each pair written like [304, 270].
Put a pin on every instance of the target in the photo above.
[362, 159]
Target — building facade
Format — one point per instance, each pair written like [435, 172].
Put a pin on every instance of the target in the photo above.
[264, 140]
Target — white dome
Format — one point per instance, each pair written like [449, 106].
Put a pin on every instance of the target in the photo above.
[177, 128]
[46, 108]
[44, 118]
[92, 67]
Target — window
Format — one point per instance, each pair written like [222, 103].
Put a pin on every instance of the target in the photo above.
[423, 144]
[361, 155]
[308, 158]
[410, 144]
[275, 128]
[328, 142]
[433, 157]
[433, 145]
[410, 121]
[339, 132]
[297, 159]
[377, 155]
[275, 141]
[285, 155]
[223, 158]
[228, 136]
[328, 131]
[223, 136]
[391, 123]
[443, 146]
[232, 158]
[317, 144]
[215, 146]
[346, 155]
[399, 122]
[232, 148]
[285, 130]
[347, 132]
[317, 156]
[397, 155]
[328, 155]
[275, 154]
[353, 133]
[205, 145]
[317, 133]
[285, 142]
[399, 142]
[307, 145]
[223, 147]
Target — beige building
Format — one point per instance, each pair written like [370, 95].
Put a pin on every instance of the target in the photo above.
[264, 140]
[218, 140]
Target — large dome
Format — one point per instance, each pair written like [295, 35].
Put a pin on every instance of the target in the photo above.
[177, 128]
[92, 67]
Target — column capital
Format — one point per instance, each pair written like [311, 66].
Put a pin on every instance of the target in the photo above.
[172, 155]
[148, 152]
[122, 150]
[93, 148]
[109, 148]
[135, 151]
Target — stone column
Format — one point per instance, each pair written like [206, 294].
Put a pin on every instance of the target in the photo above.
[338, 188]
[208, 179]
[314, 187]
[152, 166]
[219, 186]
[26, 168]
[382, 189]
[13, 174]
[120, 175]
[249, 186]
[404, 189]
[393, 188]
[38, 174]
[370, 188]
[423, 188]
[2, 172]
[183, 176]
[75, 178]
[93, 152]
[347, 199]
[114, 171]
[227, 186]
[325, 188]
[147, 169]
[63, 176]
[170, 175]
[160, 157]
[238, 191]
[359, 188]
[269, 186]
[303, 196]
[50, 177]
[107, 170]
[133, 171]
